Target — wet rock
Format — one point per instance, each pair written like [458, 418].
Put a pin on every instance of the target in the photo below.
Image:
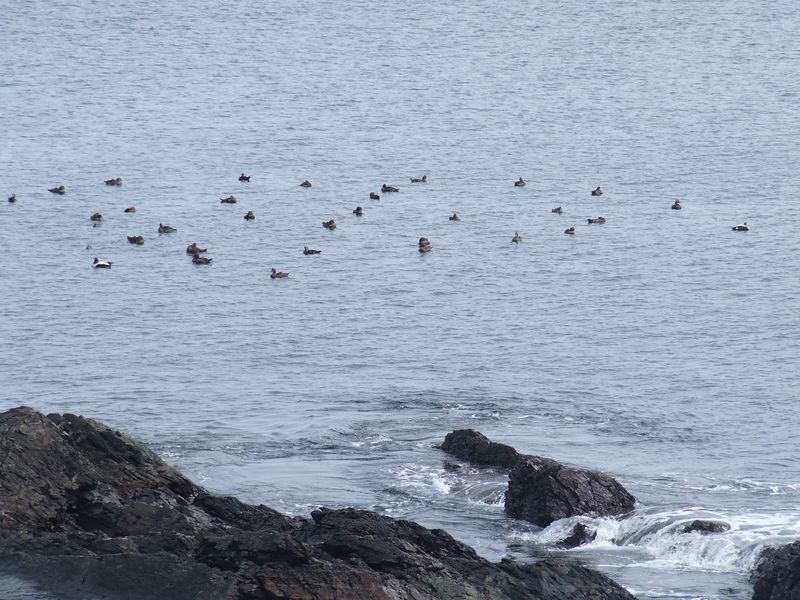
[703, 526]
[472, 446]
[86, 511]
[542, 490]
[580, 535]
[777, 574]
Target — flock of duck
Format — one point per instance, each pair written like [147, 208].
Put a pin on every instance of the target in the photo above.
[424, 244]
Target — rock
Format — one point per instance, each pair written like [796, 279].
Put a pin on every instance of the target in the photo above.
[87, 511]
[472, 446]
[542, 490]
[777, 574]
[580, 535]
[705, 527]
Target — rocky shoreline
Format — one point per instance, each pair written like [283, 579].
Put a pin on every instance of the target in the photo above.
[88, 512]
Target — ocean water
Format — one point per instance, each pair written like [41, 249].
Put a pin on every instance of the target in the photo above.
[660, 347]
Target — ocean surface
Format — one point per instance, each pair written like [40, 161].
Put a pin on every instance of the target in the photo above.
[660, 347]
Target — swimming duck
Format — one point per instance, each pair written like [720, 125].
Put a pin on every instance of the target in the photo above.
[130, 209]
[115, 181]
[423, 179]
[598, 220]
[307, 251]
[517, 238]
[278, 274]
[570, 230]
[244, 177]
[201, 260]
[742, 227]
[136, 239]
[455, 217]
[558, 210]
[520, 182]
[96, 217]
[88, 247]
[358, 211]
[193, 248]
[423, 241]
[12, 198]
[249, 216]
[329, 224]
[101, 264]
[374, 196]
[58, 190]
[389, 188]
[166, 228]
[597, 191]
[306, 184]
[229, 200]
[677, 205]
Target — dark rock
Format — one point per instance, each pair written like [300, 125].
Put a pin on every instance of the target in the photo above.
[87, 511]
[542, 490]
[777, 574]
[703, 526]
[580, 535]
[474, 447]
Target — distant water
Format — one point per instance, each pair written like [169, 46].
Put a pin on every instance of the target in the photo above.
[660, 347]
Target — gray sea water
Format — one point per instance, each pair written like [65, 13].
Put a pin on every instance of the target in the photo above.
[660, 347]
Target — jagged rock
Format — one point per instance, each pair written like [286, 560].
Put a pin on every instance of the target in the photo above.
[542, 490]
[580, 535]
[89, 512]
[777, 574]
[474, 447]
[703, 526]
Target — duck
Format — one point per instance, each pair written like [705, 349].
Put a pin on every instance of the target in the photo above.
[58, 190]
[306, 184]
[557, 210]
[136, 239]
[358, 211]
[88, 247]
[130, 209]
[166, 228]
[193, 248]
[278, 274]
[742, 227]
[385, 188]
[423, 241]
[598, 220]
[597, 191]
[249, 216]
[454, 217]
[517, 238]
[570, 230]
[520, 182]
[329, 224]
[101, 264]
[374, 196]
[423, 179]
[244, 177]
[307, 251]
[12, 198]
[677, 205]
[96, 217]
[229, 200]
[201, 260]
[115, 181]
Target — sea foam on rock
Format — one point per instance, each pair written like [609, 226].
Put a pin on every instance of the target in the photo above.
[542, 490]
[89, 512]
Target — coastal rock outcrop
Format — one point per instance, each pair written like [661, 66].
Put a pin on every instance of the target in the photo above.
[704, 526]
[88, 511]
[777, 574]
[542, 490]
